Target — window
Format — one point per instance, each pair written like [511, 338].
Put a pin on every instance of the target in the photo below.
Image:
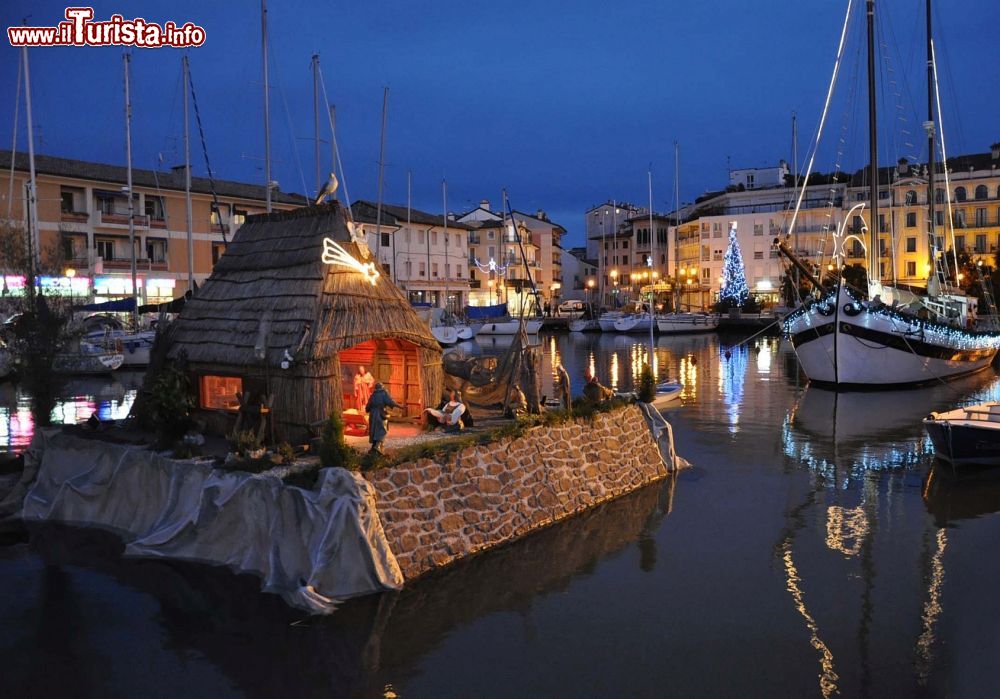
[66, 201]
[106, 205]
[980, 242]
[154, 208]
[219, 392]
[939, 196]
[758, 229]
[758, 254]
[409, 269]
[624, 245]
[423, 269]
[458, 240]
[959, 218]
[858, 224]
[447, 270]
[68, 248]
[881, 224]
[434, 239]
[960, 194]
[883, 194]
[960, 243]
[420, 237]
[911, 268]
[239, 217]
[217, 250]
[105, 249]
[384, 240]
[406, 237]
[911, 197]
[911, 244]
[980, 218]
[911, 219]
[458, 272]
[156, 250]
[939, 218]
[982, 192]
[434, 269]
[706, 274]
[493, 254]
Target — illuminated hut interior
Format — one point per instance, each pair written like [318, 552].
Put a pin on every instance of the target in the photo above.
[296, 310]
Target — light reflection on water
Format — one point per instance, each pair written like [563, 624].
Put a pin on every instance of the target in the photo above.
[109, 397]
[807, 548]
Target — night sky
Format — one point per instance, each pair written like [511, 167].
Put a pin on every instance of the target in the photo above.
[564, 104]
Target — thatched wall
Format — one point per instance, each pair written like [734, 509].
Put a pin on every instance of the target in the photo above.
[271, 286]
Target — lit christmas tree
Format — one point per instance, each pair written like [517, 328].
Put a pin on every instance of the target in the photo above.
[735, 291]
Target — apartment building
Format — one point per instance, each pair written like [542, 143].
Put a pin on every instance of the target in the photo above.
[83, 225]
[602, 220]
[542, 247]
[579, 275]
[426, 255]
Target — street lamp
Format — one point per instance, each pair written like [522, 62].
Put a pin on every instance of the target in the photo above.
[590, 292]
[490, 285]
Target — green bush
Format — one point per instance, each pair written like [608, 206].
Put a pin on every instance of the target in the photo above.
[333, 450]
[243, 442]
[168, 405]
[647, 384]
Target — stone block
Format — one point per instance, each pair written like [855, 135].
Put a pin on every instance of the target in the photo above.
[489, 485]
[399, 477]
[450, 523]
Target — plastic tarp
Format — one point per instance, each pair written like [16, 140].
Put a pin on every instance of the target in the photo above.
[314, 548]
[119, 306]
[483, 312]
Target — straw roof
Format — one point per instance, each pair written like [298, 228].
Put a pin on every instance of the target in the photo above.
[271, 281]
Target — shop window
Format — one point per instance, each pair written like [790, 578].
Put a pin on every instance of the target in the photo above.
[219, 392]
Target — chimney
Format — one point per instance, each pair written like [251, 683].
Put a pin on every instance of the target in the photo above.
[484, 204]
[995, 151]
[904, 166]
[178, 173]
[541, 214]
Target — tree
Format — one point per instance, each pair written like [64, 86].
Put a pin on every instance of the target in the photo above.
[735, 291]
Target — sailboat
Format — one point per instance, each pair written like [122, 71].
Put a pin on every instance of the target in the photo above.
[851, 338]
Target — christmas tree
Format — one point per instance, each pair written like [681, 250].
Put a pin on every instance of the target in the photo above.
[734, 285]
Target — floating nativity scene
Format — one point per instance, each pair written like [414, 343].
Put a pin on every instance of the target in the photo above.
[297, 322]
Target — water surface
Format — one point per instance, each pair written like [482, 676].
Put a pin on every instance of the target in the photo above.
[814, 549]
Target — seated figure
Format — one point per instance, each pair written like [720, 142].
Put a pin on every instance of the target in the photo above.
[449, 414]
[594, 391]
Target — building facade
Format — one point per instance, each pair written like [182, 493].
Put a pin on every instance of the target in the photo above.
[83, 226]
[426, 255]
[579, 275]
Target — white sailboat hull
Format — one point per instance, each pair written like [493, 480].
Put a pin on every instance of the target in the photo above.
[445, 334]
[865, 348]
[582, 326]
[634, 324]
[510, 327]
[607, 321]
[685, 323]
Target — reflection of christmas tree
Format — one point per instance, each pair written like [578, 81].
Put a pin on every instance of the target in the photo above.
[734, 290]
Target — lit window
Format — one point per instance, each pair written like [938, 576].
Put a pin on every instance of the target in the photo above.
[219, 392]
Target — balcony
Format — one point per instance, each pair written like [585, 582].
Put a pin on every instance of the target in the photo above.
[157, 223]
[75, 216]
[121, 219]
[474, 239]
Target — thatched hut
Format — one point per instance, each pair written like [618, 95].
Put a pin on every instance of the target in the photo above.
[287, 313]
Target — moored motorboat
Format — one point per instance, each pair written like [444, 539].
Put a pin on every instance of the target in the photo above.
[967, 436]
[88, 358]
[666, 393]
[510, 327]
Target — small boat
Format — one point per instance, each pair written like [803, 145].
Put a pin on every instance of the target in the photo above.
[967, 436]
[634, 323]
[584, 326]
[136, 346]
[445, 334]
[666, 393]
[685, 323]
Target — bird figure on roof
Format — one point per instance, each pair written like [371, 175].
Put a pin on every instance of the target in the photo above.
[329, 188]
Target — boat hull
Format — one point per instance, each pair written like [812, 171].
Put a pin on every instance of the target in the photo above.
[846, 345]
[445, 334]
[79, 364]
[687, 324]
[633, 324]
[963, 444]
[583, 326]
[607, 322]
[510, 327]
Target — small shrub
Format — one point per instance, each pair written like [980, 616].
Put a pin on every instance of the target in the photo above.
[167, 406]
[333, 450]
[647, 384]
[286, 453]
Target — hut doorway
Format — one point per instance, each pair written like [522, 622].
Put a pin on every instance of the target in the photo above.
[392, 362]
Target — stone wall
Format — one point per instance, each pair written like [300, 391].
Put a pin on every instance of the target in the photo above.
[434, 513]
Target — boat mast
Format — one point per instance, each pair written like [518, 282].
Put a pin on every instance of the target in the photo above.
[187, 178]
[267, 109]
[873, 255]
[652, 278]
[929, 128]
[33, 240]
[126, 59]
[444, 217]
[381, 166]
[677, 223]
[315, 68]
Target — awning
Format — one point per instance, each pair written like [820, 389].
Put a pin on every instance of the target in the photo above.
[119, 306]
[478, 312]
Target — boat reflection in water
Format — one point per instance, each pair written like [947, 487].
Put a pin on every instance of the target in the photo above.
[862, 450]
[367, 646]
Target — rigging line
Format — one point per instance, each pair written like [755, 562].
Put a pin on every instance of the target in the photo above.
[944, 159]
[204, 150]
[951, 83]
[13, 146]
[826, 109]
[288, 119]
[338, 165]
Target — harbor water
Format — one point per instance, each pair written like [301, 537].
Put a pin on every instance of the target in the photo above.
[815, 548]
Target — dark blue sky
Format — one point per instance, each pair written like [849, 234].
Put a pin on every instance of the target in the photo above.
[565, 104]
